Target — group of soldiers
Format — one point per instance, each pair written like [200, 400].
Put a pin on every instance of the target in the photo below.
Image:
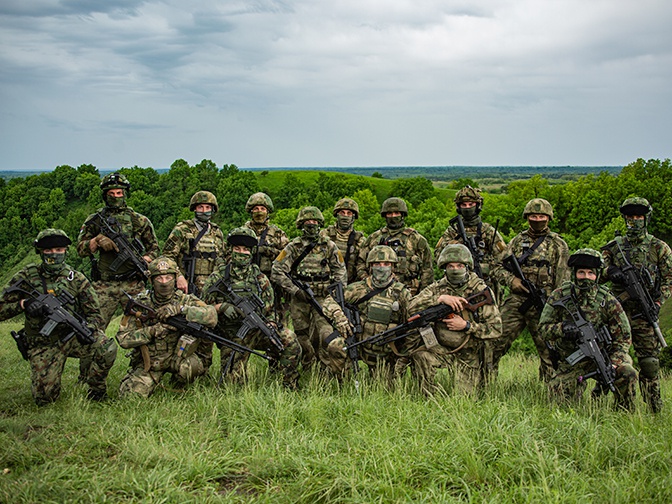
[333, 296]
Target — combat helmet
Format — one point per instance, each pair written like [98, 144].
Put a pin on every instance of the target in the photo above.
[456, 252]
[394, 205]
[309, 213]
[203, 197]
[346, 204]
[114, 181]
[468, 193]
[259, 198]
[163, 266]
[242, 236]
[51, 238]
[586, 258]
[381, 253]
[538, 206]
[636, 206]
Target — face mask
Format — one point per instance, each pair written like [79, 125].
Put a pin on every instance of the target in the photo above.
[585, 283]
[344, 222]
[635, 228]
[395, 222]
[164, 291]
[380, 275]
[311, 230]
[469, 214]
[203, 216]
[259, 217]
[538, 226]
[116, 202]
[52, 263]
[456, 277]
[240, 259]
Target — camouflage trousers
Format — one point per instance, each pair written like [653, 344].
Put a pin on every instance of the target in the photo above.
[647, 349]
[312, 330]
[568, 387]
[381, 365]
[234, 364]
[513, 324]
[47, 363]
[143, 383]
[111, 296]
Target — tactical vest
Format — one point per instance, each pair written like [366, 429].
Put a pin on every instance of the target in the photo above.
[207, 250]
[347, 246]
[536, 265]
[314, 268]
[130, 223]
[269, 237]
[639, 255]
[408, 264]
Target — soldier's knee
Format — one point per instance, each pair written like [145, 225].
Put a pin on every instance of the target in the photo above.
[649, 367]
[190, 368]
[139, 384]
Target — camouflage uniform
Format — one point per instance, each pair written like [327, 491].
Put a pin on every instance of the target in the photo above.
[321, 267]
[599, 307]
[349, 241]
[459, 351]
[646, 253]
[47, 355]
[161, 340]
[546, 268]
[414, 268]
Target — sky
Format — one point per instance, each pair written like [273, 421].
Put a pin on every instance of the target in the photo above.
[269, 83]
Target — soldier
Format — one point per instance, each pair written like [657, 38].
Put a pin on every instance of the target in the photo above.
[599, 307]
[382, 302]
[246, 280]
[542, 255]
[272, 239]
[315, 262]
[489, 242]
[47, 354]
[414, 268]
[196, 245]
[344, 235]
[165, 349]
[458, 338]
[653, 259]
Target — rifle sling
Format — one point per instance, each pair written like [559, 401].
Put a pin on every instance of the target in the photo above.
[351, 242]
[371, 294]
[302, 256]
[523, 258]
[193, 243]
[262, 242]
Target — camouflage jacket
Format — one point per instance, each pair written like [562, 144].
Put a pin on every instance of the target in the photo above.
[209, 250]
[489, 242]
[652, 254]
[133, 225]
[546, 267]
[272, 240]
[320, 268]
[350, 253]
[485, 323]
[76, 283]
[245, 282]
[414, 267]
[600, 308]
[161, 341]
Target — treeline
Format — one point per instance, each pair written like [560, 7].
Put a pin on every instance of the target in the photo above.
[586, 210]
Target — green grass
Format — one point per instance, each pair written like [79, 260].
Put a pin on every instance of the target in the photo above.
[260, 443]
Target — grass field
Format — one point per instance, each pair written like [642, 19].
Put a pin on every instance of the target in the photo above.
[260, 443]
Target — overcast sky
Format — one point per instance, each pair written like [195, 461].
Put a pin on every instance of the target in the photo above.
[346, 83]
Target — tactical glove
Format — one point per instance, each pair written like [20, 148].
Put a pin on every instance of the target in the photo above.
[106, 243]
[518, 287]
[569, 331]
[168, 310]
[33, 308]
[228, 311]
[615, 274]
[344, 328]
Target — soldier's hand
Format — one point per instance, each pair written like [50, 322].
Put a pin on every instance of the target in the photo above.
[33, 308]
[455, 323]
[169, 310]
[344, 328]
[457, 303]
[159, 330]
[182, 284]
[228, 311]
[302, 296]
[570, 331]
[518, 287]
[106, 243]
[615, 274]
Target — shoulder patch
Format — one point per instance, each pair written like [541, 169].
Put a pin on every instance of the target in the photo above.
[281, 255]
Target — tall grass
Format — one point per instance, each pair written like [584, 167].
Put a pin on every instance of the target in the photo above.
[325, 443]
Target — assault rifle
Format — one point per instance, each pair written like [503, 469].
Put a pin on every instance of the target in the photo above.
[536, 296]
[131, 251]
[189, 265]
[352, 314]
[312, 299]
[591, 344]
[637, 291]
[250, 307]
[424, 318]
[180, 322]
[470, 242]
[54, 311]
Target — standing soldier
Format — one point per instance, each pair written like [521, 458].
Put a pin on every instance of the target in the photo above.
[304, 269]
[68, 298]
[535, 264]
[159, 348]
[246, 280]
[458, 338]
[640, 254]
[583, 297]
[382, 302]
[414, 267]
[116, 270]
[488, 243]
[271, 238]
[344, 235]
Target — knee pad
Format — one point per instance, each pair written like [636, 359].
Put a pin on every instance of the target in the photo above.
[649, 367]
[190, 368]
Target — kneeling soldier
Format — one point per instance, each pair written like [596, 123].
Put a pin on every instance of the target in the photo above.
[234, 283]
[62, 320]
[456, 342]
[582, 315]
[158, 347]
